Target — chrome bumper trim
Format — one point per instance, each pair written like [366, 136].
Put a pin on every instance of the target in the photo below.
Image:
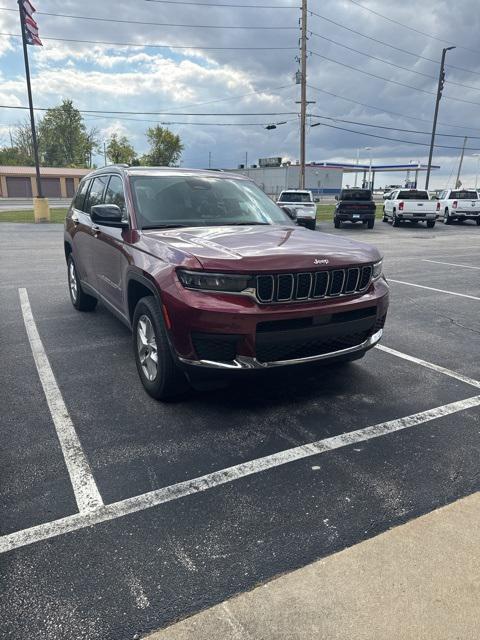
[247, 362]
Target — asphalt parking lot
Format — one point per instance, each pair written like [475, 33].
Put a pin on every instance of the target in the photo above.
[210, 496]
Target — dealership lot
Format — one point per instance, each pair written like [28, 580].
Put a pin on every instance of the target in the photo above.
[318, 459]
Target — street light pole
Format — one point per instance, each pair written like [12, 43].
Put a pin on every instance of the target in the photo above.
[303, 98]
[441, 82]
[477, 156]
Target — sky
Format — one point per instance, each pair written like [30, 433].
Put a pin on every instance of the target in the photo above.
[242, 60]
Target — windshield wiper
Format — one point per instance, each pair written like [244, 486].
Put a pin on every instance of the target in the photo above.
[243, 224]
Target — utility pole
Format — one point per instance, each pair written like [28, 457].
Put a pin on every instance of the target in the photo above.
[104, 154]
[30, 100]
[303, 98]
[358, 159]
[441, 82]
[458, 183]
[209, 159]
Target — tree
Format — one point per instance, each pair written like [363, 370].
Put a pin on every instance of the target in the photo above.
[165, 147]
[13, 156]
[21, 139]
[120, 151]
[63, 137]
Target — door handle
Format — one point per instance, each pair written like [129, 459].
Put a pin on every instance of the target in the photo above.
[75, 219]
[95, 229]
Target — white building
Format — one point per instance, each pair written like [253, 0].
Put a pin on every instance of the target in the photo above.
[321, 179]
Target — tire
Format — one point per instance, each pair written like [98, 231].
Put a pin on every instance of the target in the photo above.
[478, 222]
[371, 224]
[336, 223]
[160, 375]
[446, 217]
[430, 224]
[385, 217]
[311, 224]
[395, 220]
[80, 300]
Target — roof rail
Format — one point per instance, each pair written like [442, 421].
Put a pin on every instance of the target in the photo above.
[116, 164]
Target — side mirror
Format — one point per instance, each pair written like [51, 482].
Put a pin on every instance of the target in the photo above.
[336, 197]
[108, 215]
[291, 213]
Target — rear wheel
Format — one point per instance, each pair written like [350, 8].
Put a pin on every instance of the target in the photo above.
[311, 224]
[336, 223]
[446, 217]
[430, 224]
[395, 220]
[478, 222]
[80, 300]
[160, 376]
[371, 224]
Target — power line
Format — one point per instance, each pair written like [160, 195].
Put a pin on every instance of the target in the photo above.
[158, 46]
[401, 24]
[392, 64]
[218, 4]
[372, 135]
[156, 24]
[401, 84]
[403, 130]
[158, 113]
[388, 44]
[393, 113]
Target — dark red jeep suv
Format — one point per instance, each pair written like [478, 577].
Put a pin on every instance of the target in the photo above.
[211, 275]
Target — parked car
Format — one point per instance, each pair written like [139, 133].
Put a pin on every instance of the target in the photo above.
[212, 276]
[300, 202]
[354, 205]
[411, 205]
[459, 205]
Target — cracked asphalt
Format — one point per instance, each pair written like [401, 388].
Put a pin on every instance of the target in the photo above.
[140, 572]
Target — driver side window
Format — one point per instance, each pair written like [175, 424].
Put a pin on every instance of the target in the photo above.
[115, 195]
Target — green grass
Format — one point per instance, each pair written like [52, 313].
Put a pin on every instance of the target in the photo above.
[325, 211]
[56, 215]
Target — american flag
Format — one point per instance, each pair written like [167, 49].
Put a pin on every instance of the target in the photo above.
[29, 25]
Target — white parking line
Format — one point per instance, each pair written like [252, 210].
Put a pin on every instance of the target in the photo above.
[429, 365]
[421, 286]
[86, 491]
[218, 478]
[451, 264]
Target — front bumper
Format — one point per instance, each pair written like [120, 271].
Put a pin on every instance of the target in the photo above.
[231, 332]
[248, 363]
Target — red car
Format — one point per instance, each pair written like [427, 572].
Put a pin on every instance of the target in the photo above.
[210, 274]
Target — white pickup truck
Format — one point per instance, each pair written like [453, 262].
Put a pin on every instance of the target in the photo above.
[459, 204]
[412, 205]
[300, 202]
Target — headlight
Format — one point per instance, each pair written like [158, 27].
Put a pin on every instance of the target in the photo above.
[213, 281]
[377, 270]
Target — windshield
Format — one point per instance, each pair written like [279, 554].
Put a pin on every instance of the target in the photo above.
[356, 194]
[295, 197]
[413, 195]
[464, 195]
[191, 201]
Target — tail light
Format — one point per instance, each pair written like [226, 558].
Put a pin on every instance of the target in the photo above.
[454, 204]
[438, 206]
[400, 206]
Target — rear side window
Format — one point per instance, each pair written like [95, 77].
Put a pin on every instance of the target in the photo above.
[356, 194]
[96, 192]
[295, 197]
[115, 194]
[463, 195]
[80, 195]
[413, 195]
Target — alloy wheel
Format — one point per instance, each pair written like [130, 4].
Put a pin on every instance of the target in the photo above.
[147, 348]
[72, 281]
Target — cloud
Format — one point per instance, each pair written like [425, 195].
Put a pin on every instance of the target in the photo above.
[154, 79]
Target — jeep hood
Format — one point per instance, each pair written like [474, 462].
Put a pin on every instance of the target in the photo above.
[258, 248]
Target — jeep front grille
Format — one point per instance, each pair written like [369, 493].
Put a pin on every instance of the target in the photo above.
[286, 287]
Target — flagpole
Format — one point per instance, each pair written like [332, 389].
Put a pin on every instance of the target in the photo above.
[30, 101]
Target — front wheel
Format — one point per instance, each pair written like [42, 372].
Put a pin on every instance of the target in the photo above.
[430, 224]
[160, 376]
[80, 300]
[478, 222]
